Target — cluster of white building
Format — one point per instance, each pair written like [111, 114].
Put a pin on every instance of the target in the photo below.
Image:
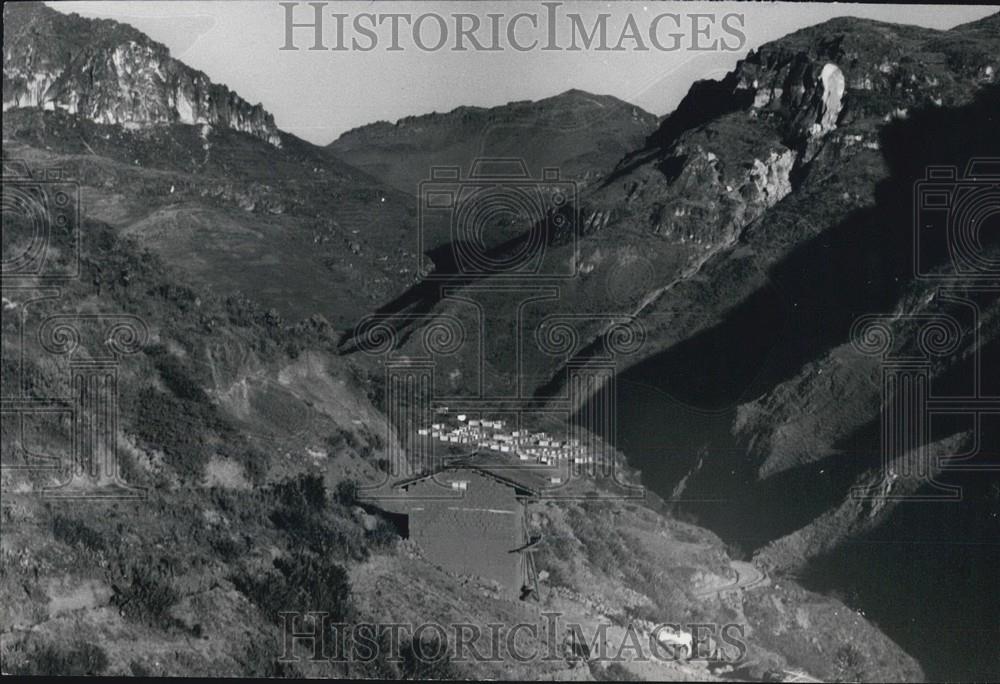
[493, 435]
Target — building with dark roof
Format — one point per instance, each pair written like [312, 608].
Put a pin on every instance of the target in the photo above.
[471, 521]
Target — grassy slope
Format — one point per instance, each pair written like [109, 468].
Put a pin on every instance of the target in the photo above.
[294, 228]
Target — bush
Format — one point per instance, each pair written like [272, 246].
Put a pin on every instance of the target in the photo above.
[346, 492]
[340, 440]
[307, 492]
[419, 661]
[303, 582]
[144, 593]
[428, 660]
[300, 501]
[261, 660]
[850, 662]
[303, 513]
[175, 375]
[614, 672]
[736, 551]
[76, 659]
[383, 535]
[255, 464]
[76, 533]
[180, 428]
[226, 548]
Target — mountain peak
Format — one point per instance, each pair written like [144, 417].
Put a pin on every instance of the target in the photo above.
[112, 73]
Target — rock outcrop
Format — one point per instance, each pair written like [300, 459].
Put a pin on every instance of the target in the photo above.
[110, 73]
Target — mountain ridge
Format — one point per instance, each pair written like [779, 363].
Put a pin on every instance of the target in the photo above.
[82, 65]
[580, 133]
[774, 188]
[766, 214]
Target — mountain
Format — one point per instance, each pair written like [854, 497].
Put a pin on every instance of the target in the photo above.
[190, 169]
[581, 134]
[684, 228]
[110, 73]
[765, 217]
[747, 232]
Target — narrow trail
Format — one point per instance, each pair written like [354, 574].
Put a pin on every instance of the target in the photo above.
[748, 576]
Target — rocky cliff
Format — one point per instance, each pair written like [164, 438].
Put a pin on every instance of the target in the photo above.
[112, 74]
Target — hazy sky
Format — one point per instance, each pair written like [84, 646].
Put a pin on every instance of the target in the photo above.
[320, 94]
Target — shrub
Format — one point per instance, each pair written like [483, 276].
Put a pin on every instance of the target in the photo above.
[299, 503]
[76, 533]
[307, 492]
[76, 659]
[346, 492]
[303, 582]
[420, 661]
[383, 535]
[255, 464]
[175, 375]
[614, 672]
[850, 662]
[736, 551]
[644, 612]
[302, 512]
[144, 593]
[342, 439]
[178, 427]
[227, 548]
[262, 661]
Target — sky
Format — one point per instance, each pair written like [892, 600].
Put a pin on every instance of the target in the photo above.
[318, 95]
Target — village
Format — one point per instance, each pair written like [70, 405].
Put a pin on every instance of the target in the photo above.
[494, 436]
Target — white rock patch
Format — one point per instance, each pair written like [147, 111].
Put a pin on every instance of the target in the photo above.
[834, 85]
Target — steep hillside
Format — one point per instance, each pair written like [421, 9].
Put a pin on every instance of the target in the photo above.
[583, 135]
[290, 226]
[687, 227]
[250, 438]
[746, 233]
[767, 215]
[237, 206]
[771, 404]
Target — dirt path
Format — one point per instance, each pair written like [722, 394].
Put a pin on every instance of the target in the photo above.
[748, 576]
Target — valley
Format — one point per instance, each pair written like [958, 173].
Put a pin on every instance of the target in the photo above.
[686, 309]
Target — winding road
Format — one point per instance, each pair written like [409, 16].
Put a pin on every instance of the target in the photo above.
[748, 576]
